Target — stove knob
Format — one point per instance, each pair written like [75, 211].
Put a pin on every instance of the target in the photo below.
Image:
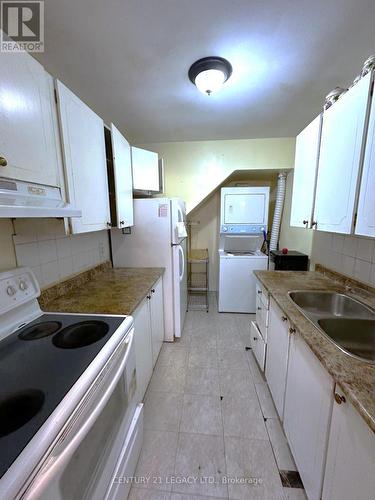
[23, 285]
[11, 290]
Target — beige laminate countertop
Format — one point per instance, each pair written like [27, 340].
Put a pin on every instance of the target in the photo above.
[113, 291]
[356, 378]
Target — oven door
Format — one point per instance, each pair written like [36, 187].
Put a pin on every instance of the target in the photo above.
[83, 461]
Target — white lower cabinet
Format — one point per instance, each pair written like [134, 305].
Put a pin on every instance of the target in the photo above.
[157, 319]
[307, 414]
[149, 335]
[143, 347]
[277, 355]
[350, 467]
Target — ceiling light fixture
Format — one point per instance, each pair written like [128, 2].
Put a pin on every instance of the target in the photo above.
[210, 73]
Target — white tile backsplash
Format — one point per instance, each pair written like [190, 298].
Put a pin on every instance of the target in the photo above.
[353, 256]
[43, 245]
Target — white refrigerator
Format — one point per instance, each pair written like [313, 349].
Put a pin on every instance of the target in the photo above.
[158, 239]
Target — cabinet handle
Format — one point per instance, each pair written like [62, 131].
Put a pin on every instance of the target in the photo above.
[305, 222]
[153, 290]
[284, 318]
[259, 292]
[292, 330]
[122, 222]
[3, 161]
[339, 399]
[314, 224]
[254, 338]
[149, 297]
[259, 308]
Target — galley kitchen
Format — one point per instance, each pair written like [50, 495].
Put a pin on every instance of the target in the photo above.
[187, 250]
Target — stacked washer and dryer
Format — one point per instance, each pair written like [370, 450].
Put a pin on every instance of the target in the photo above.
[243, 224]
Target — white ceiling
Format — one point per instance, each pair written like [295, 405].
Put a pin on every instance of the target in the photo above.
[128, 59]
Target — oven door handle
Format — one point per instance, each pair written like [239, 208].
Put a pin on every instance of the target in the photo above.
[57, 460]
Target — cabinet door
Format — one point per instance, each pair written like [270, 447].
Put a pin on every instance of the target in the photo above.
[122, 170]
[85, 161]
[157, 319]
[304, 175]
[366, 206]
[307, 414]
[143, 349]
[277, 355]
[28, 123]
[340, 159]
[350, 467]
[145, 170]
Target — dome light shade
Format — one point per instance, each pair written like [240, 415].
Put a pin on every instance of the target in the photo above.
[210, 73]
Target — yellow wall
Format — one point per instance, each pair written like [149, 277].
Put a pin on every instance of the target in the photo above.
[194, 169]
[294, 238]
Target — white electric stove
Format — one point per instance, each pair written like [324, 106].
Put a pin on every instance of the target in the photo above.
[69, 423]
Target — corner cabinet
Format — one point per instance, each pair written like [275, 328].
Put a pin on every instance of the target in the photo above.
[305, 174]
[29, 138]
[350, 467]
[307, 414]
[365, 225]
[146, 176]
[121, 178]
[82, 133]
[277, 355]
[341, 153]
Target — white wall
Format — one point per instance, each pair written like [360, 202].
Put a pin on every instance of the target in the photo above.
[42, 245]
[349, 255]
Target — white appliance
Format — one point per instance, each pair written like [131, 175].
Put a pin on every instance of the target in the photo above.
[244, 210]
[243, 222]
[70, 424]
[158, 239]
[25, 199]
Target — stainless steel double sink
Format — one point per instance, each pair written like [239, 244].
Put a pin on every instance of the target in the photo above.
[345, 321]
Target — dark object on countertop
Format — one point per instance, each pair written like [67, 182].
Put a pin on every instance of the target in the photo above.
[291, 261]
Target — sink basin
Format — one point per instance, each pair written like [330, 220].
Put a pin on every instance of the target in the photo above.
[345, 321]
[354, 336]
[330, 303]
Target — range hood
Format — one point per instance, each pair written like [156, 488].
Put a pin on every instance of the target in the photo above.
[24, 199]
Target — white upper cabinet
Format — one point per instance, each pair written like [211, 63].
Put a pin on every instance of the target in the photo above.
[350, 466]
[123, 180]
[85, 161]
[340, 159]
[305, 172]
[145, 170]
[366, 206]
[29, 140]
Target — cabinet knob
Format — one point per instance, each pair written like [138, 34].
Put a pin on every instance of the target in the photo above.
[149, 297]
[109, 224]
[339, 399]
[122, 222]
[3, 161]
[314, 224]
[254, 338]
[305, 222]
[292, 330]
[153, 290]
[259, 308]
[284, 318]
[259, 292]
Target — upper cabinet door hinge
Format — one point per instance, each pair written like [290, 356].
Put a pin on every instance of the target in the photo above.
[372, 89]
[355, 220]
[55, 94]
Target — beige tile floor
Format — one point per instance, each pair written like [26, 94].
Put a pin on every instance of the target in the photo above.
[211, 429]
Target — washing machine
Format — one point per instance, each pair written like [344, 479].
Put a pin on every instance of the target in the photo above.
[239, 257]
[243, 224]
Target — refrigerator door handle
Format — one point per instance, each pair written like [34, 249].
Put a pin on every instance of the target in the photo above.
[180, 249]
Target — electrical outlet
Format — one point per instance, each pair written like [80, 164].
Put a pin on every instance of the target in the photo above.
[126, 230]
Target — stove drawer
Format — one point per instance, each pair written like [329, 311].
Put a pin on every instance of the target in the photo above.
[258, 345]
